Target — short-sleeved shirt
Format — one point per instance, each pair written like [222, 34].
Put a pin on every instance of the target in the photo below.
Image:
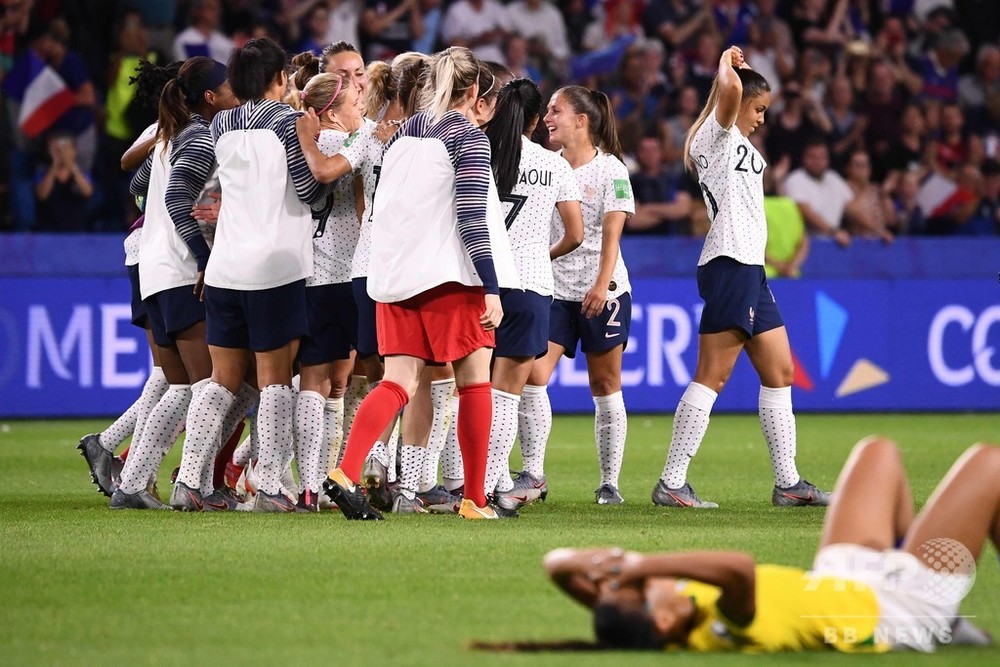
[363, 151]
[827, 195]
[544, 179]
[335, 223]
[731, 177]
[604, 188]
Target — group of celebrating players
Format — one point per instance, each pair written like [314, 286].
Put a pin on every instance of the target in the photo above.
[383, 265]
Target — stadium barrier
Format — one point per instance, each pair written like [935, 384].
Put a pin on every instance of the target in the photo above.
[68, 348]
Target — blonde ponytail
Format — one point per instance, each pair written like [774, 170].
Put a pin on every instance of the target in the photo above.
[451, 73]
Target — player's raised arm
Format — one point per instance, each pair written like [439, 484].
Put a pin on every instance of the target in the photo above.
[730, 86]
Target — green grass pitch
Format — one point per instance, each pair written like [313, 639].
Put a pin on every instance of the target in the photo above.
[80, 584]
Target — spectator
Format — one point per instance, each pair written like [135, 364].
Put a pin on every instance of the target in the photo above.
[80, 121]
[787, 241]
[344, 18]
[814, 69]
[938, 69]
[768, 55]
[906, 216]
[868, 214]
[958, 213]
[391, 26]
[662, 206]
[847, 126]
[984, 122]
[883, 105]
[989, 205]
[677, 22]
[430, 10]
[821, 194]
[732, 20]
[801, 118]
[819, 23]
[953, 147]
[620, 19]
[637, 104]
[702, 68]
[907, 153]
[480, 25]
[539, 22]
[63, 188]
[515, 49]
[315, 25]
[158, 17]
[576, 16]
[202, 36]
[975, 87]
[676, 126]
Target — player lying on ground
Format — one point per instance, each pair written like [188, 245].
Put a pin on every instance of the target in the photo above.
[863, 593]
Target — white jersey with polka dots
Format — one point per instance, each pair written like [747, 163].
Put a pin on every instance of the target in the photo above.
[731, 176]
[363, 151]
[604, 188]
[132, 242]
[335, 223]
[544, 179]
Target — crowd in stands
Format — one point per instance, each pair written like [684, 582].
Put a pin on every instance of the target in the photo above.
[885, 114]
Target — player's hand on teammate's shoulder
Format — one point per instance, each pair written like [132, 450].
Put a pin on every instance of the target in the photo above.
[307, 125]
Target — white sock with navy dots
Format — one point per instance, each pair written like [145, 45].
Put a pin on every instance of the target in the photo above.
[441, 394]
[610, 431]
[690, 423]
[411, 458]
[503, 432]
[209, 404]
[534, 424]
[333, 435]
[310, 438]
[777, 421]
[357, 389]
[132, 422]
[452, 467]
[392, 447]
[158, 436]
[246, 397]
[274, 417]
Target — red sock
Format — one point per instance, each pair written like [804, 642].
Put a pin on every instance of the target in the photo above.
[226, 454]
[124, 455]
[375, 412]
[475, 416]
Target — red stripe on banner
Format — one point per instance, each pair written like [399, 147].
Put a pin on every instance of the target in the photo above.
[48, 113]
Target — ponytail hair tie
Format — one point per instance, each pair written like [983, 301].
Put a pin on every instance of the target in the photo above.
[302, 95]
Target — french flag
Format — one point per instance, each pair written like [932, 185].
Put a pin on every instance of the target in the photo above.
[42, 94]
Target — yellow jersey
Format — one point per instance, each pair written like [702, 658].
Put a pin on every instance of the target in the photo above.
[795, 611]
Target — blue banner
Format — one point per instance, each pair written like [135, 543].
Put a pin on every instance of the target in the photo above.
[68, 348]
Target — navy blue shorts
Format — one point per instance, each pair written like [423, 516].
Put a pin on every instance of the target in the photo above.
[367, 338]
[597, 334]
[333, 324]
[736, 296]
[173, 311]
[524, 330]
[139, 317]
[258, 320]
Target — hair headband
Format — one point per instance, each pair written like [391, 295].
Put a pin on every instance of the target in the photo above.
[340, 84]
[492, 83]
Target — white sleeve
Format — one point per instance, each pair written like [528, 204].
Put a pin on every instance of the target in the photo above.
[618, 188]
[146, 135]
[569, 189]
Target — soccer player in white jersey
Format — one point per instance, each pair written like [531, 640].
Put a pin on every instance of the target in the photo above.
[533, 183]
[438, 262]
[255, 280]
[740, 312]
[593, 303]
[98, 448]
[172, 256]
[325, 354]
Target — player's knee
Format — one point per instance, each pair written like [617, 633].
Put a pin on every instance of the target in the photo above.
[878, 446]
[604, 386]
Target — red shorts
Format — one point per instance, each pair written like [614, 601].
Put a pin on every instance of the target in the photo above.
[438, 325]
